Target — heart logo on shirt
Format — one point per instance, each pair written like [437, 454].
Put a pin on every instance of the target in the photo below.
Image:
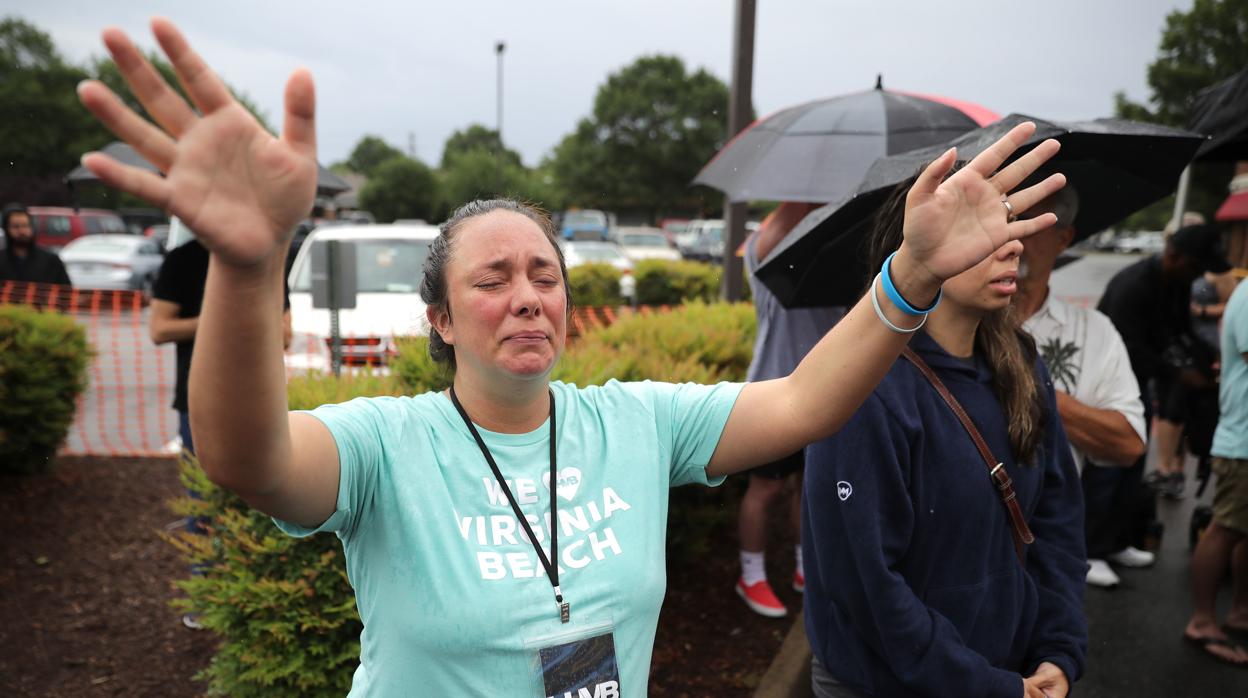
[567, 483]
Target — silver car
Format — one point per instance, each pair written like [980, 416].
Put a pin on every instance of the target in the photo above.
[113, 262]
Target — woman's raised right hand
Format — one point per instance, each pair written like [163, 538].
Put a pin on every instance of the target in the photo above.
[238, 187]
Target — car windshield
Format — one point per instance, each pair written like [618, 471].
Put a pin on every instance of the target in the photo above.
[594, 218]
[595, 253]
[643, 240]
[382, 265]
[100, 246]
[714, 232]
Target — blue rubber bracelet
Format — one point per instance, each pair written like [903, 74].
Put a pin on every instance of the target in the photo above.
[886, 276]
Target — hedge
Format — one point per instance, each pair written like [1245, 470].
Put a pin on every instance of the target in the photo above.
[43, 369]
[596, 284]
[284, 607]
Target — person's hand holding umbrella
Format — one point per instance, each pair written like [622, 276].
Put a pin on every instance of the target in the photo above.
[240, 189]
[953, 223]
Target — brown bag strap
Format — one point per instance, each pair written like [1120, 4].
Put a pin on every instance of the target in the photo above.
[996, 469]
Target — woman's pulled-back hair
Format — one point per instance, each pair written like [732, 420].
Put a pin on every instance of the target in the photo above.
[1008, 350]
[433, 286]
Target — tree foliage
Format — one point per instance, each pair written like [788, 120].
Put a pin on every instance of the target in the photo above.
[369, 153]
[402, 188]
[44, 128]
[1198, 48]
[652, 128]
[477, 138]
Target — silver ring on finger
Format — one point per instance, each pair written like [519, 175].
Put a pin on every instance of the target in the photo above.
[1009, 211]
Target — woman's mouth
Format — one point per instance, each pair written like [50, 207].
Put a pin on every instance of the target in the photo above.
[1006, 283]
[527, 337]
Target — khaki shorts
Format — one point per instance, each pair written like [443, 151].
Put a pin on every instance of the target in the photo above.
[1230, 497]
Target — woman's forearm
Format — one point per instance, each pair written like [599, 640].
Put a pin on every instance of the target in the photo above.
[237, 391]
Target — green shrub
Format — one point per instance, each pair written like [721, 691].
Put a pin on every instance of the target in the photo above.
[698, 342]
[284, 607]
[415, 369]
[595, 285]
[43, 369]
[662, 282]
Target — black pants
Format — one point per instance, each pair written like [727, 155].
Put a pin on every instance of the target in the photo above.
[1118, 508]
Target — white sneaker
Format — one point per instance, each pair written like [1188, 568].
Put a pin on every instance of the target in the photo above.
[1133, 557]
[1100, 574]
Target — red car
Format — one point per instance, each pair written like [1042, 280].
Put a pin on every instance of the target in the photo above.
[57, 226]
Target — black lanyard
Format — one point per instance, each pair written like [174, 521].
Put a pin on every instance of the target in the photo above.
[552, 571]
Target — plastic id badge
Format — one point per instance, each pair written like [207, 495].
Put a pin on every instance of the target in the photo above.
[578, 664]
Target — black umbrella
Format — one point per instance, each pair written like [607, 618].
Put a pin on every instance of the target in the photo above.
[1221, 111]
[818, 151]
[327, 183]
[1116, 166]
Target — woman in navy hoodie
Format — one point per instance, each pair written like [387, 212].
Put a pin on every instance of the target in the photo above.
[913, 583]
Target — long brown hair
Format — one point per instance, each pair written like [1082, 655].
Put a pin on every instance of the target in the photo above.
[1008, 350]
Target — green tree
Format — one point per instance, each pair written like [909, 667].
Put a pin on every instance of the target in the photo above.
[476, 174]
[652, 128]
[1199, 48]
[402, 188]
[369, 153]
[44, 128]
[477, 138]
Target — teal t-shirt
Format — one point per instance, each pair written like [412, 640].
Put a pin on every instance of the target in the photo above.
[453, 597]
[1230, 440]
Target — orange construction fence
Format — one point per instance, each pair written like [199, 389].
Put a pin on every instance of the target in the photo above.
[127, 408]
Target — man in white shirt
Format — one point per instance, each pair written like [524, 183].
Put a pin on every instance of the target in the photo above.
[1098, 397]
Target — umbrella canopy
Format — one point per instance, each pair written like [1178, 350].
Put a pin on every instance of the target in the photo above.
[1221, 111]
[817, 152]
[1116, 166]
[327, 183]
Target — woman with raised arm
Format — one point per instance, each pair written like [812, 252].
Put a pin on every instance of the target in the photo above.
[505, 537]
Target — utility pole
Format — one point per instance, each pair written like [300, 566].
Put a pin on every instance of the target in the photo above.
[739, 107]
[499, 48]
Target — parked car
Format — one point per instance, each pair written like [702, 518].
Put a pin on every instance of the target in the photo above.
[672, 227]
[709, 247]
[389, 263]
[587, 224]
[1148, 242]
[689, 234]
[588, 251]
[645, 243]
[114, 261]
[159, 233]
[57, 226]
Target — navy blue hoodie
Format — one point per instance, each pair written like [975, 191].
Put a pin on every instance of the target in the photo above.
[913, 587]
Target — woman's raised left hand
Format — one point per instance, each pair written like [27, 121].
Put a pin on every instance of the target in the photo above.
[952, 224]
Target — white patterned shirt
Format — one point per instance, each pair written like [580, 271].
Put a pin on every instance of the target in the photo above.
[1087, 360]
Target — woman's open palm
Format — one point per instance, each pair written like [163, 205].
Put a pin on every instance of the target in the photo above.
[238, 187]
[952, 224]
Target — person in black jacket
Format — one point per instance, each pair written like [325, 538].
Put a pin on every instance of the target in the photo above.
[22, 259]
[914, 586]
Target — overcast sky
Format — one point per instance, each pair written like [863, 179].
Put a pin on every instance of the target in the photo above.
[428, 68]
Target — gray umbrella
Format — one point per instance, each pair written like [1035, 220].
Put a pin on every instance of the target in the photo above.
[817, 152]
[327, 183]
[1116, 166]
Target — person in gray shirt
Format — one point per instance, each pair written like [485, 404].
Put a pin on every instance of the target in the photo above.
[784, 337]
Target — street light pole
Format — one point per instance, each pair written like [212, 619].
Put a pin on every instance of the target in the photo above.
[499, 48]
[739, 108]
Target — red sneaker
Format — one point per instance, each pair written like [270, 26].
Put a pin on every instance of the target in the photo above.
[761, 599]
[799, 581]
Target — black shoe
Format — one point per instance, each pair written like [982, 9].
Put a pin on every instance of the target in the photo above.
[1156, 480]
[1173, 487]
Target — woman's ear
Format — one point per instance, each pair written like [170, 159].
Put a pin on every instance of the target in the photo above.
[440, 321]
